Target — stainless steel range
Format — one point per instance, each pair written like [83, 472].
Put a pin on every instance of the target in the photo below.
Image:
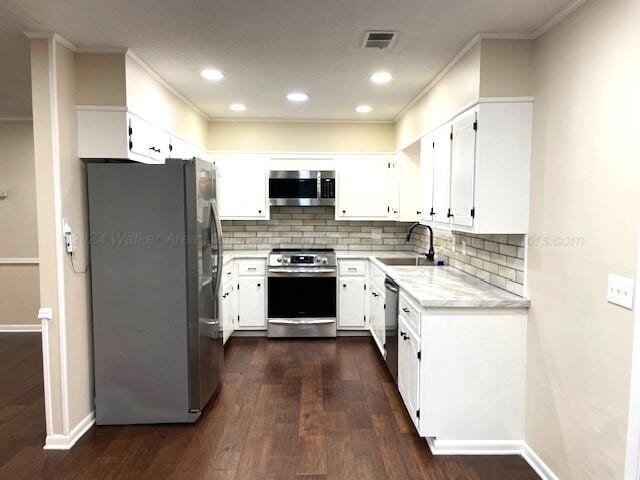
[301, 293]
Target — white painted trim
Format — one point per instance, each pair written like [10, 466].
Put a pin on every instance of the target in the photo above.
[24, 328]
[297, 120]
[474, 447]
[557, 18]
[65, 442]
[129, 53]
[101, 108]
[19, 261]
[541, 468]
[16, 119]
[52, 37]
[102, 50]
[292, 155]
[45, 315]
[506, 99]
[493, 447]
[632, 463]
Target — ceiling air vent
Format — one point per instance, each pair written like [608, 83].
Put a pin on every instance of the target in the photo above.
[379, 39]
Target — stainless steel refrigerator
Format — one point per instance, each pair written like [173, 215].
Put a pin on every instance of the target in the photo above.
[156, 261]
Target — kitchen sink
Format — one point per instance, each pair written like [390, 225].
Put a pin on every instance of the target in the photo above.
[406, 261]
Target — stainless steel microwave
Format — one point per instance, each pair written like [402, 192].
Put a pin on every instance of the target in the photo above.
[302, 188]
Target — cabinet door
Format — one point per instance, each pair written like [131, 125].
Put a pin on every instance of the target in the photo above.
[362, 186]
[393, 186]
[351, 303]
[226, 311]
[409, 368]
[376, 318]
[463, 161]
[441, 173]
[251, 303]
[241, 186]
[147, 140]
[426, 178]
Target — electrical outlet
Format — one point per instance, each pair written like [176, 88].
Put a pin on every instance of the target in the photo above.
[620, 291]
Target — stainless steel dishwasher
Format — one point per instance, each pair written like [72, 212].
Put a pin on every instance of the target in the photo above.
[391, 326]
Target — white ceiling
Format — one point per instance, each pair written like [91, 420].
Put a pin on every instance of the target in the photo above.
[268, 47]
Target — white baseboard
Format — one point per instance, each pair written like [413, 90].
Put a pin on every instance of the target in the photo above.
[20, 328]
[541, 468]
[492, 447]
[65, 442]
[474, 447]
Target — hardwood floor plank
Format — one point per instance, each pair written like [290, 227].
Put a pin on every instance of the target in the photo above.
[287, 409]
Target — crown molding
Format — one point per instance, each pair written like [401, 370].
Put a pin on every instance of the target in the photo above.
[558, 17]
[55, 37]
[298, 120]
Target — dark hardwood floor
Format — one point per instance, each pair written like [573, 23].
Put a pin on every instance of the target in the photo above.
[287, 409]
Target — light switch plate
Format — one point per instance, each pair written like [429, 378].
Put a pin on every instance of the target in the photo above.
[620, 291]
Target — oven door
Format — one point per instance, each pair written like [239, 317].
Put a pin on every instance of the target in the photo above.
[297, 188]
[305, 297]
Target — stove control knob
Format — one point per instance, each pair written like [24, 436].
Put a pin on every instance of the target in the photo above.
[285, 260]
[279, 259]
[323, 260]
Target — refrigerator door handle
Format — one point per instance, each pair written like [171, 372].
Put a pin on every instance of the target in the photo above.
[215, 219]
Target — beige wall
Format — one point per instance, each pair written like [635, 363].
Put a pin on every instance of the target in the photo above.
[585, 184]
[152, 101]
[458, 88]
[301, 137]
[19, 289]
[506, 68]
[74, 210]
[60, 194]
[100, 79]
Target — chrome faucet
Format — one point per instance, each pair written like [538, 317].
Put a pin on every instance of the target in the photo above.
[431, 254]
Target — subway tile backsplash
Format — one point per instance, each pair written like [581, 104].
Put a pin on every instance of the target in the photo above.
[496, 259]
[296, 227]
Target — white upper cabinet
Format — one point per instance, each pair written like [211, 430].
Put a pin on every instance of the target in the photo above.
[481, 163]
[362, 187]
[463, 161]
[404, 186]
[124, 135]
[426, 179]
[442, 174]
[242, 186]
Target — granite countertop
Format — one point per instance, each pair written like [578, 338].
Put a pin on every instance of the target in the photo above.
[447, 287]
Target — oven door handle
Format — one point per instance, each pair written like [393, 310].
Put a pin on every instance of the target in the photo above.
[301, 322]
[292, 272]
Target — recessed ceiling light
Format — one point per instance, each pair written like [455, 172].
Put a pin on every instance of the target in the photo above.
[212, 74]
[381, 77]
[363, 109]
[238, 107]
[297, 97]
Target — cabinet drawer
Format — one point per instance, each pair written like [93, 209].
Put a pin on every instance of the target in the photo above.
[410, 311]
[251, 267]
[353, 267]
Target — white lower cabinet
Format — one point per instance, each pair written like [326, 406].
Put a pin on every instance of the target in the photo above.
[227, 310]
[376, 316]
[251, 303]
[351, 303]
[409, 368]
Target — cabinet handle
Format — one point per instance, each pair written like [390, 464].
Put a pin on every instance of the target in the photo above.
[344, 211]
[252, 269]
[405, 309]
[352, 269]
[259, 285]
[260, 212]
[449, 214]
[344, 285]
[402, 334]
[374, 294]
[419, 212]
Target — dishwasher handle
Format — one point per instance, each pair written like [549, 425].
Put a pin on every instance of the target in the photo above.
[390, 285]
